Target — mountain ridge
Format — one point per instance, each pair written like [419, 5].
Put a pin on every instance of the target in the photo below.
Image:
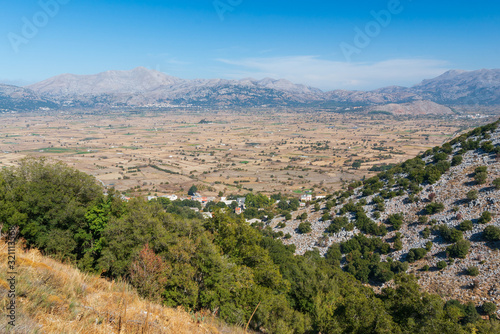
[142, 87]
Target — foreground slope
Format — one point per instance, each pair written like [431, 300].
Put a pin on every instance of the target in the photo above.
[57, 298]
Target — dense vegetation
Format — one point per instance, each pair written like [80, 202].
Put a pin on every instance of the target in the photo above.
[221, 264]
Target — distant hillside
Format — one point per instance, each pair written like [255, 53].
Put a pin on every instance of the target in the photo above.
[412, 108]
[142, 87]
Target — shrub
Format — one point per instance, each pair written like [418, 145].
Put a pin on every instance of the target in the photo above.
[489, 308]
[337, 224]
[433, 208]
[456, 160]
[426, 267]
[496, 183]
[416, 254]
[472, 271]
[472, 195]
[450, 235]
[304, 228]
[491, 233]
[426, 233]
[459, 249]
[423, 219]
[485, 217]
[428, 245]
[441, 265]
[481, 177]
[396, 220]
[466, 225]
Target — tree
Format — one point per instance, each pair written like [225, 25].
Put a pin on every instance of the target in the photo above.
[193, 190]
[416, 254]
[459, 249]
[491, 233]
[472, 195]
[489, 308]
[472, 271]
[485, 217]
[148, 273]
[466, 225]
[496, 183]
[456, 160]
[441, 265]
[433, 208]
[48, 201]
[304, 228]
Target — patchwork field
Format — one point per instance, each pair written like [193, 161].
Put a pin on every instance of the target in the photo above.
[230, 152]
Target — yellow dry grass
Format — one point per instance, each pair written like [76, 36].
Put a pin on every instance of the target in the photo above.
[53, 297]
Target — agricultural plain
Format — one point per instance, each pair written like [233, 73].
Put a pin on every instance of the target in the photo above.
[158, 153]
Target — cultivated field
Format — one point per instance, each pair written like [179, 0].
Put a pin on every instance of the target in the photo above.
[266, 151]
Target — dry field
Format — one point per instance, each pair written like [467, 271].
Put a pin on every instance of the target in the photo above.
[232, 152]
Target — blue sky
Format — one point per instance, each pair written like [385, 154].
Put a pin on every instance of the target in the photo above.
[326, 44]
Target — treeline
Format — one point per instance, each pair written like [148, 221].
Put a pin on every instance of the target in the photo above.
[221, 264]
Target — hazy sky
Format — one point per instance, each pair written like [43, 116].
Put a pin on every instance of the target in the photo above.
[326, 44]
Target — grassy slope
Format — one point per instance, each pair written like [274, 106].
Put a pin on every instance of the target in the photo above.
[56, 298]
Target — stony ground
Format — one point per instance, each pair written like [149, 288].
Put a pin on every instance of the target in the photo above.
[451, 190]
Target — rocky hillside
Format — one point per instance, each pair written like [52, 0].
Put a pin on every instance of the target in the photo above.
[437, 216]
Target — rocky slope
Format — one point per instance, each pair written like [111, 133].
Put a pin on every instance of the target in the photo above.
[451, 190]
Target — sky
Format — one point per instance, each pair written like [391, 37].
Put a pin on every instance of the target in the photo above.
[356, 45]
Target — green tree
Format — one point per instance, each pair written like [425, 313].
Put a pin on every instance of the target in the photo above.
[472, 195]
[485, 217]
[441, 265]
[459, 249]
[192, 190]
[491, 233]
[304, 228]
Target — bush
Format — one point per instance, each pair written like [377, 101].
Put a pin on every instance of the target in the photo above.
[337, 224]
[426, 267]
[423, 219]
[304, 228]
[496, 183]
[428, 245]
[456, 160]
[485, 217]
[472, 195]
[450, 235]
[466, 225]
[416, 254]
[441, 265]
[459, 249]
[489, 308]
[491, 233]
[472, 271]
[481, 177]
[426, 233]
[433, 208]
[396, 220]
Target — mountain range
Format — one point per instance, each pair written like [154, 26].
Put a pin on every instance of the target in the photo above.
[142, 87]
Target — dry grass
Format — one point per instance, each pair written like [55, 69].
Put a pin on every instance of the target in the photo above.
[56, 298]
